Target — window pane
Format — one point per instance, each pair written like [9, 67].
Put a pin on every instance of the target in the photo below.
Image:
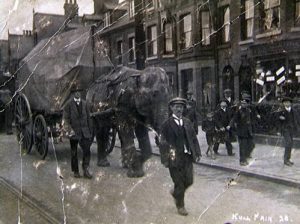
[297, 15]
[205, 19]
[188, 39]
[250, 28]
[226, 24]
[187, 23]
[249, 9]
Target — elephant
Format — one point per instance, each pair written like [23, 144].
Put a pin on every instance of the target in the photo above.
[133, 101]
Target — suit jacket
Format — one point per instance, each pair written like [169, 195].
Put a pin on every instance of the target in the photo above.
[169, 140]
[222, 118]
[290, 124]
[242, 121]
[78, 119]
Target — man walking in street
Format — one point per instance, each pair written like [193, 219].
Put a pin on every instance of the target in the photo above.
[222, 118]
[190, 111]
[179, 148]
[78, 126]
[288, 124]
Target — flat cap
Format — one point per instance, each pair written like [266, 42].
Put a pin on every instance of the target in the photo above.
[177, 100]
[286, 98]
[210, 114]
[227, 90]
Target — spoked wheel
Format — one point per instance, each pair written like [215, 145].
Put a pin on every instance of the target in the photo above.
[111, 140]
[40, 136]
[23, 117]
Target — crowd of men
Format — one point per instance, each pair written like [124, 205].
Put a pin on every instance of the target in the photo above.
[235, 120]
[178, 143]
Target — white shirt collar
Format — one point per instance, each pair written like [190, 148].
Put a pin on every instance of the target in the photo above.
[288, 109]
[77, 100]
[177, 120]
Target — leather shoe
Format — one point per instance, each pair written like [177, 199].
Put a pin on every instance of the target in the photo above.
[87, 174]
[216, 153]
[288, 163]
[182, 211]
[243, 163]
[103, 162]
[77, 175]
[232, 154]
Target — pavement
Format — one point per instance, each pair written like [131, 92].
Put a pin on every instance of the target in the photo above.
[267, 161]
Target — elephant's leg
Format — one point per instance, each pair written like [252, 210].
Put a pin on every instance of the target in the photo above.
[141, 133]
[129, 153]
[102, 137]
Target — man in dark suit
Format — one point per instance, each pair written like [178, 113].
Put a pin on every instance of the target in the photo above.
[78, 126]
[243, 123]
[288, 124]
[190, 111]
[179, 148]
[222, 118]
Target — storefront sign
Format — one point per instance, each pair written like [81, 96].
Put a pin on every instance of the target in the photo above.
[270, 78]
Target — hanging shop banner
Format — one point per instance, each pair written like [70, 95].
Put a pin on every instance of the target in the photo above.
[297, 67]
[281, 80]
[270, 78]
[260, 82]
[279, 71]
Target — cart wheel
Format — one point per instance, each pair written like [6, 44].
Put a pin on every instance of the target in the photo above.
[111, 140]
[23, 122]
[40, 136]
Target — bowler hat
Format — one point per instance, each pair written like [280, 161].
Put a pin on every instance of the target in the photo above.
[177, 100]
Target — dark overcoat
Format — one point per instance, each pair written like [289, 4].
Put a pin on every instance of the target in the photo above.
[242, 122]
[78, 118]
[169, 140]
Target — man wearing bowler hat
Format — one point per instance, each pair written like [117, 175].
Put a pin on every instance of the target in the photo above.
[78, 126]
[179, 148]
[288, 123]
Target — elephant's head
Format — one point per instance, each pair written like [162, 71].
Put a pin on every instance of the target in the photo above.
[152, 96]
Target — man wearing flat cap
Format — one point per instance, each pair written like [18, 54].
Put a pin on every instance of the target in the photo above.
[179, 148]
[288, 123]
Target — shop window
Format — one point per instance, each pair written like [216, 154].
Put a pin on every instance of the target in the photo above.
[120, 52]
[271, 15]
[149, 4]
[152, 41]
[168, 38]
[247, 20]
[185, 31]
[297, 12]
[132, 55]
[205, 27]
